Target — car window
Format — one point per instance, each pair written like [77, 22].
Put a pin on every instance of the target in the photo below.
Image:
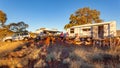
[25, 33]
[15, 35]
[20, 34]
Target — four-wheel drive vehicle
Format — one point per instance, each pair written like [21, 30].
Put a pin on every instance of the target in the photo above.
[17, 36]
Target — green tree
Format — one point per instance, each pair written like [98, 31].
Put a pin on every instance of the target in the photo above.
[84, 16]
[18, 27]
[3, 17]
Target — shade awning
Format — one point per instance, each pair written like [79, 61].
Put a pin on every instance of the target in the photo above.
[95, 24]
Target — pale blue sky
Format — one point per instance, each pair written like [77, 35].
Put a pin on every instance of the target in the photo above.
[56, 13]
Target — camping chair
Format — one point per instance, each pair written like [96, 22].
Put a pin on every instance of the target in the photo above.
[88, 42]
[78, 42]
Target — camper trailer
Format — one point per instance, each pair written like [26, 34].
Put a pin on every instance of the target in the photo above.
[96, 30]
[46, 31]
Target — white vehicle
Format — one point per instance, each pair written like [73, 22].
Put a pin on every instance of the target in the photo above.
[95, 30]
[16, 37]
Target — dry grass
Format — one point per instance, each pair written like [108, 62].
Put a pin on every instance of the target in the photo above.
[76, 56]
[89, 57]
[6, 47]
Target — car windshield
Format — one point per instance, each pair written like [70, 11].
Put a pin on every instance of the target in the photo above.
[14, 35]
[25, 33]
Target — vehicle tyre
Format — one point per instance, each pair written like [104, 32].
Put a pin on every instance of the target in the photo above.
[25, 39]
[8, 40]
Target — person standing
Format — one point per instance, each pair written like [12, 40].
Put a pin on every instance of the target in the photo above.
[62, 35]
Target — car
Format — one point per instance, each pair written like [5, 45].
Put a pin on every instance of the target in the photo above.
[17, 37]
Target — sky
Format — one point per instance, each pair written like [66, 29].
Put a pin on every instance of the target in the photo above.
[56, 13]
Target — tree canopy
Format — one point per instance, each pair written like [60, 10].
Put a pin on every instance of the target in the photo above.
[12, 27]
[18, 27]
[3, 17]
[84, 16]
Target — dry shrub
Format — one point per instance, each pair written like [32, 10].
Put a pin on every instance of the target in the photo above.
[40, 64]
[94, 58]
[118, 65]
[81, 53]
[75, 64]
[78, 56]
[86, 65]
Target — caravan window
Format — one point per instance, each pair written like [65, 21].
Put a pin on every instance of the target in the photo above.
[87, 29]
[72, 30]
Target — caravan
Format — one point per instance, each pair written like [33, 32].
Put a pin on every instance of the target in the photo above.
[96, 30]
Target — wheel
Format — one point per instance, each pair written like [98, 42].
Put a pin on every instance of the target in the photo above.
[8, 40]
[25, 39]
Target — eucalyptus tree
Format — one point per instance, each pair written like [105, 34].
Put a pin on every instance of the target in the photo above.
[3, 17]
[84, 16]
